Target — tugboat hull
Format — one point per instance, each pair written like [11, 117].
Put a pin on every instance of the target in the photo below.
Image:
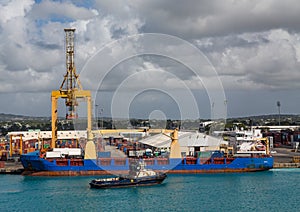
[127, 182]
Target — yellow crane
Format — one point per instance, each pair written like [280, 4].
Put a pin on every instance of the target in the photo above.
[71, 90]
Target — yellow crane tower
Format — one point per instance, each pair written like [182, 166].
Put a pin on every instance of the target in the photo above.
[71, 82]
[71, 90]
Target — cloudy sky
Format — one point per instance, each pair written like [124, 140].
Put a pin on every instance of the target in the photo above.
[153, 58]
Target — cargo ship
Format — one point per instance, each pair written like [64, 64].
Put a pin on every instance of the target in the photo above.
[72, 161]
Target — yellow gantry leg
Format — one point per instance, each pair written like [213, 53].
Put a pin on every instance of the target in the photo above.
[10, 145]
[90, 149]
[175, 147]
[21, 145]
[54, 120]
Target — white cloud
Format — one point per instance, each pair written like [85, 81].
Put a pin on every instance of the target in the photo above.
[216, 18]
[256, 60]
[60, 10]
[11, 9]
[254, 45]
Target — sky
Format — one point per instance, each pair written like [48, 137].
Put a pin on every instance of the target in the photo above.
[154, 59]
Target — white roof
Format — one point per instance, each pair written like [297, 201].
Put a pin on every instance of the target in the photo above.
[186, 139]
[159, 141]
[28, 135]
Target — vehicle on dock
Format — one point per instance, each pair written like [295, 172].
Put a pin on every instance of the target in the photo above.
[138, 176]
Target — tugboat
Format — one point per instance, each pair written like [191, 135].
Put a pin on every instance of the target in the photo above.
[138, 176]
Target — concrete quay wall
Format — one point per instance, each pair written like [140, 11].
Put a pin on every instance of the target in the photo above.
[286, 165]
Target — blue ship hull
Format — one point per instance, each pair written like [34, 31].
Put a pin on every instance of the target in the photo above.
[35, 165]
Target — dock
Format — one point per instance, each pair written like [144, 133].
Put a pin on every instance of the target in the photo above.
[11, 167]
[283, 158]
[286, 165]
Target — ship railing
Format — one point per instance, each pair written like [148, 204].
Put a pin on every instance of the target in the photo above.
[148, 161]
[126, 161]
[206, 160]
[66, 162]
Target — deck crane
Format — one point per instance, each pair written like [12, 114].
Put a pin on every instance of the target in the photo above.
[71, 90]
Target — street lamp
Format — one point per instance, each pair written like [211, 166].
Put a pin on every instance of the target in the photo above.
[212, 111]
[101, 111]
[278, 105]
[96, 114]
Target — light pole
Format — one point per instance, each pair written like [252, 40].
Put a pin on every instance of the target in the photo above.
[226, 110]
[96, 114]
[278, 105]
[101, 111]
[212, 111]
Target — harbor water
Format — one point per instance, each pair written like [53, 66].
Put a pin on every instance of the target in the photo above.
[275, 190]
